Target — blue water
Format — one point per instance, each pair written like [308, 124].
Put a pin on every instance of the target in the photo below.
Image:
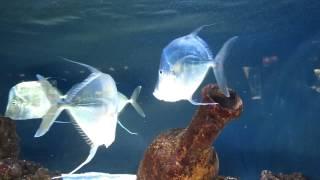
[278, 40]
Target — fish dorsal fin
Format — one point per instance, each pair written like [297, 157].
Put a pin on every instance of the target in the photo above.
[51, 92]
[196, 31]
[90, 68]
[75, 89]
[202, 43]
[80, 131]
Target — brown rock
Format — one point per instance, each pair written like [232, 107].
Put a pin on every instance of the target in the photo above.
[9, 139]
[187, 154]
[11, 168]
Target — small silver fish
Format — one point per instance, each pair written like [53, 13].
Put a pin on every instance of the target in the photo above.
[97, 176]
[184, 64]
[27, 100]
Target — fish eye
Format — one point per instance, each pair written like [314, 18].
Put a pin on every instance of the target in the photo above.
[14, 102]
[160, 71]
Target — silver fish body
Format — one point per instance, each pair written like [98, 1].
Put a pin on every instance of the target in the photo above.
[27, 100]
[94, 106]
[184, 64]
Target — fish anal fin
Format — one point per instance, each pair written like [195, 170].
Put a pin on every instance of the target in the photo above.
[80, 131]
[91, 155]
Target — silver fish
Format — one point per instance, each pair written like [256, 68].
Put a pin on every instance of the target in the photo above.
[94, 105]
[184, 64]
[27, 100]
[97, 176]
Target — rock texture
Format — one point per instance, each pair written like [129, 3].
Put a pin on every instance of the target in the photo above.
[11, 168]
[187, 154]
[9, 140]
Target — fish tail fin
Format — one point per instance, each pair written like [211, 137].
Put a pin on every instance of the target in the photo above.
[196, 31]
[133, 101]
[91, 69]
[218, 65]
[92, 153]
[54, 96]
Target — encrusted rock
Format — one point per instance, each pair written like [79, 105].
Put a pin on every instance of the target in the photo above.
[187, 154]
[9, 140]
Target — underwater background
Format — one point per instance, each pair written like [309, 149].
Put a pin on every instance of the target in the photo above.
[272, 67]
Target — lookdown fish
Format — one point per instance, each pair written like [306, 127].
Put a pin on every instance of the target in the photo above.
[27, 100]
[93, 105]
[184, 64]
[97, 176]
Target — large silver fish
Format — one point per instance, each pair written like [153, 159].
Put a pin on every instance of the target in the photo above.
[184, 64]
[94, 105]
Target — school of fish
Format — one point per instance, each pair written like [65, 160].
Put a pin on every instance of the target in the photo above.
[94, 105]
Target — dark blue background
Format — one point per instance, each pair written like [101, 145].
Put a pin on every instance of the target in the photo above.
[280, 132]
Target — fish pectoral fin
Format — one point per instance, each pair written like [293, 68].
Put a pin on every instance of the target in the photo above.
[133, 101]
[48, 120]
[126, 129]
[92, 153]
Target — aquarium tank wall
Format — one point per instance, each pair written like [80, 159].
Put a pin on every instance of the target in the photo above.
[273, 65]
